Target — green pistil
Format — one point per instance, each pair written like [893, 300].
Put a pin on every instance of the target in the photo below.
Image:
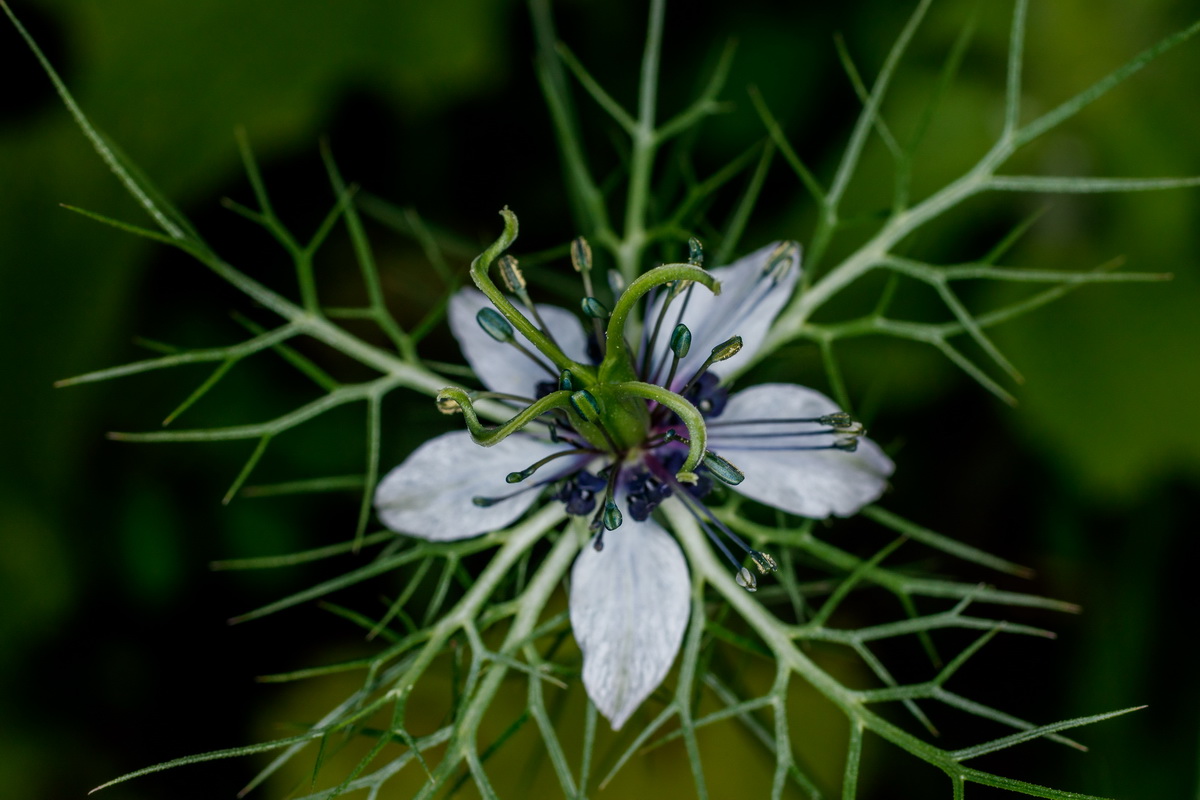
[692, 419]
[618, 362]
[479, 273]
[608, 422]
[490, 436]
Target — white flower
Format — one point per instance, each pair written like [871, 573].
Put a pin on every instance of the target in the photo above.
[617, 451]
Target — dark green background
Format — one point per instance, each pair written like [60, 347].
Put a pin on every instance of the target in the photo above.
[113, 648]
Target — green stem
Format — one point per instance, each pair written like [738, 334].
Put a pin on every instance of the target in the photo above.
[775, 636]
[533, 601]
[645, 144]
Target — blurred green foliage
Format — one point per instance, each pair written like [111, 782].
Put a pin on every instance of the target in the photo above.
[113, 653]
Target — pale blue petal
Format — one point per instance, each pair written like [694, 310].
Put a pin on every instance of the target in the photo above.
[810, 483]
[500, 366]
[430, 494]
[747, 305]
[629, 608]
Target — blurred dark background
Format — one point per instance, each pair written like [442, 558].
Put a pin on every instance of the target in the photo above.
[114, 652]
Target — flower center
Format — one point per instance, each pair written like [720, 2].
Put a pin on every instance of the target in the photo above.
[630, 423]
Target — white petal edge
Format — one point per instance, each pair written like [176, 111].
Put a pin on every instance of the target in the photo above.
[500, 366]
[811, 483]
[629, 608]
[745, 307]
[430, 494]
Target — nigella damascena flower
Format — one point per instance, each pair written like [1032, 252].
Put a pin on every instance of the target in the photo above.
[614, 430]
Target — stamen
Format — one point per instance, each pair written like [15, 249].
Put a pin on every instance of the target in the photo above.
[486, 502]
[850, 432]
[725, 350]
[745, 579]
[686, 290]
[842, 427]
[517, 477]
[609, 516]
[616, 283]
[681, 342]
[585, 405]
[722, 469]
[498, 328]
[612, 516]
[494, 324]
[594, 308]
[693, 503]
[837, 420]
[581, 257]
[781, 261]
[514, 280]
[762, 561]
[718, 466]
[849, 444]
[708, 531]
[581, 260]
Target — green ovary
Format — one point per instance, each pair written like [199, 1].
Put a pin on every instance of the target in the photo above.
[626, 418]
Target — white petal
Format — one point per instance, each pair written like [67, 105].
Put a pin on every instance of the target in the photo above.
[430, 494]
[746, 307]
[629, 608]
[500, 366]
[811, 483]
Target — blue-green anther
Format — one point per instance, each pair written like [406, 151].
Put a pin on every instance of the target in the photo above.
[517, 477]
[722, 469]
[585, 405]
[612, 516]
[681, 341]
[592, 424]
[494, 324]
[695, 252]
[566, 381]
[594, 308]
